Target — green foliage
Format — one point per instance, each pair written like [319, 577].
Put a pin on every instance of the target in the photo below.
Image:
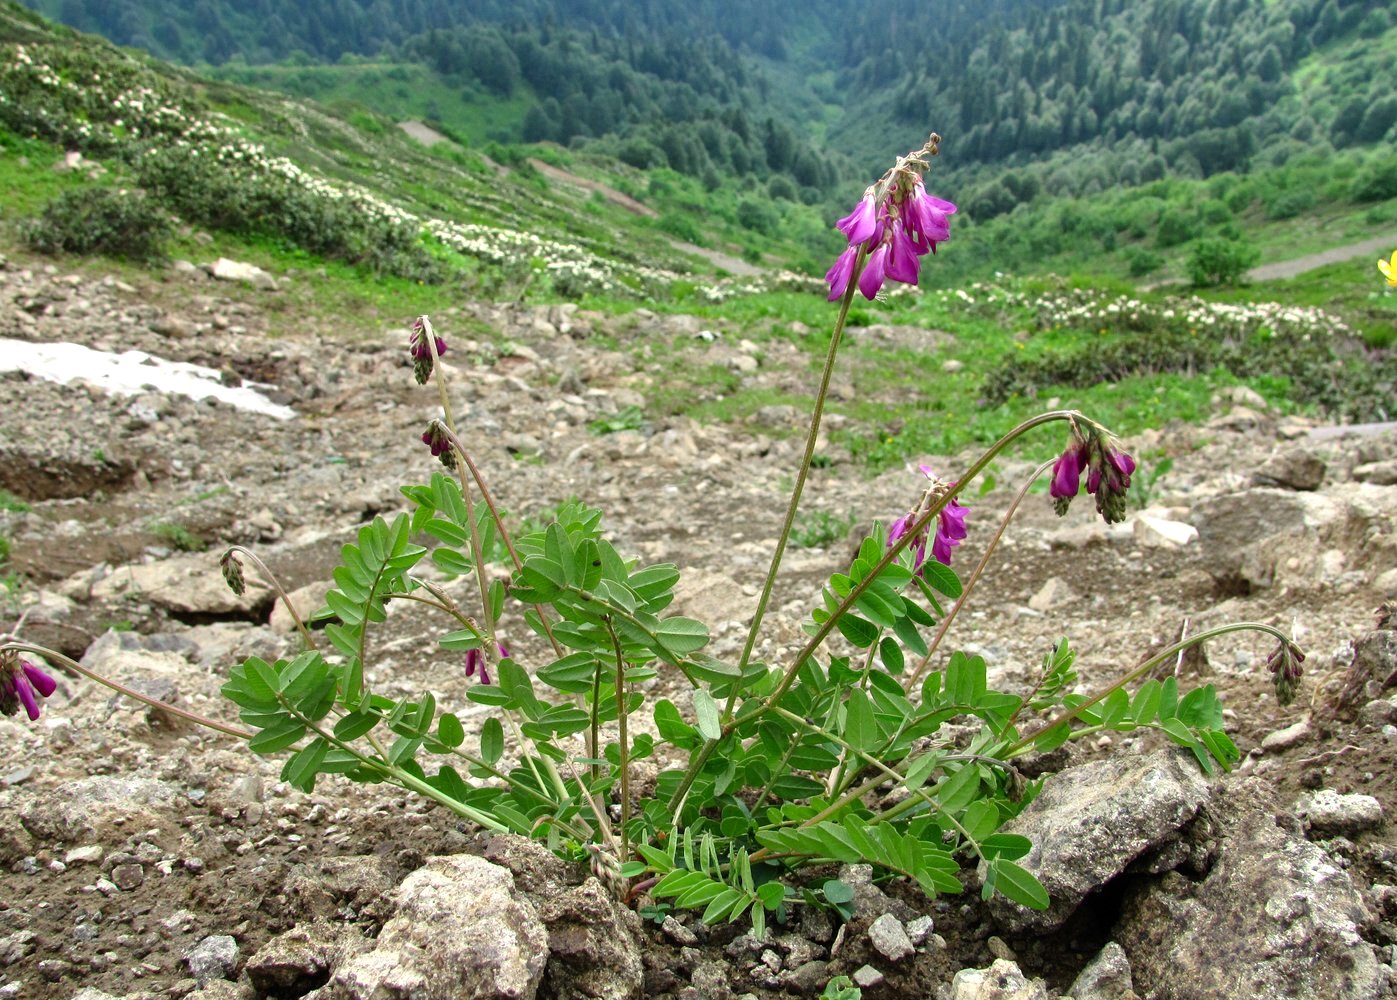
[1143, 261]
[820, 528]
[1220, 262]
[179, 536]
[628, 418]
[102, 220]
[12, 503]
[1377, 182]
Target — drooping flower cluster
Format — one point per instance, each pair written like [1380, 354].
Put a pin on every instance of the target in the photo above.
[1108, 472]
[897, 223]
[950, 524]
[437, 438]
[22, 683]
[232, 568]
[1286, 671]
[421, 349]
[475, 662]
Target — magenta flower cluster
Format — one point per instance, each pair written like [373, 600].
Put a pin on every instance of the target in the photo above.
[950, 525]
[897, 231]
[22, 683]
[421, 349]
[1108, 472]
[475, 663]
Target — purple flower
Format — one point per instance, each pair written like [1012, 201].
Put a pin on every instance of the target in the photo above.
[926, 216]
[421, 350]
[436, 438]
[897, 222]
[950, 531]
[859, 224]
[838, 276]
[1286, 671]
[903, 263]
[873, 271]
[20, 683]
[1109, 479]
[898, 529]
[475, 662]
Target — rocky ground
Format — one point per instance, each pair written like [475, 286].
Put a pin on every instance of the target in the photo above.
[142, 857]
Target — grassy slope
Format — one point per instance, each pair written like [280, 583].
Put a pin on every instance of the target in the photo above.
[904, 402]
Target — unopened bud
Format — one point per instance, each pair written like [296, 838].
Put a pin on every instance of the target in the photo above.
[1286, 671]
[233, 572]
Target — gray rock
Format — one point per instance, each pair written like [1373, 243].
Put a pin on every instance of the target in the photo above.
[808, 978]
[677, 932]
[1106, 977]
[595, 942]
[91, 993]
[1001, 981]
[1379, 473]
[233, 270]
[866, 977]
[1294, 468]
[189, 584]
[98, 808]
[889, 938]
[1327, 813]
[215, 957]
[297, 961]
[1284, 739]
[324, 888]
[1055, 593]
[1260, 537]
[1274, 918]
[460, 932]
[1091, 822]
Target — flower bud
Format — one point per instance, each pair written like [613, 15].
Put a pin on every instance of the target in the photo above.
[1286, 671]
[232, 568]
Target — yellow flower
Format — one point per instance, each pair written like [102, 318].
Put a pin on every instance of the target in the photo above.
[1389, 269]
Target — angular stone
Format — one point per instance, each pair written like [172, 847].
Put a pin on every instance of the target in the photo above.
[1001, 981]
[1091, 822]
[1056, 593]
[1284, 739]
[1328, 814]
[1160, 533]
[1105, 977]
[215, 957]
[234, 270]
[1293, 468]
[1275, 917]
[460, 932]
[189, 584]
[100, 807]
[299, 960]
[889, 938]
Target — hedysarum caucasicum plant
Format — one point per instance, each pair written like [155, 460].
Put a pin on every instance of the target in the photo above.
[826, 753]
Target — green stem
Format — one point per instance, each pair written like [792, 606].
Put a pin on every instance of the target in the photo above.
[975, 575]
[463, 455]
[1026, 742]
[801, 475]
[281, 592]
[623, 747]
[699, 759]
[19, 646]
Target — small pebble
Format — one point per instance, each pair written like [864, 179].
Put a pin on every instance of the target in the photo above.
[867, 977]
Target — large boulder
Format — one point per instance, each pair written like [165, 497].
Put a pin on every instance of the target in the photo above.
[1091, 823]
[461, 931]
[1275, 917]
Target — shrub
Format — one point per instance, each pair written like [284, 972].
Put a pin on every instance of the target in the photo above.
[1142, 261]
[1175, 227]
[101, 220]
[1378, 182]
[1220, 262]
